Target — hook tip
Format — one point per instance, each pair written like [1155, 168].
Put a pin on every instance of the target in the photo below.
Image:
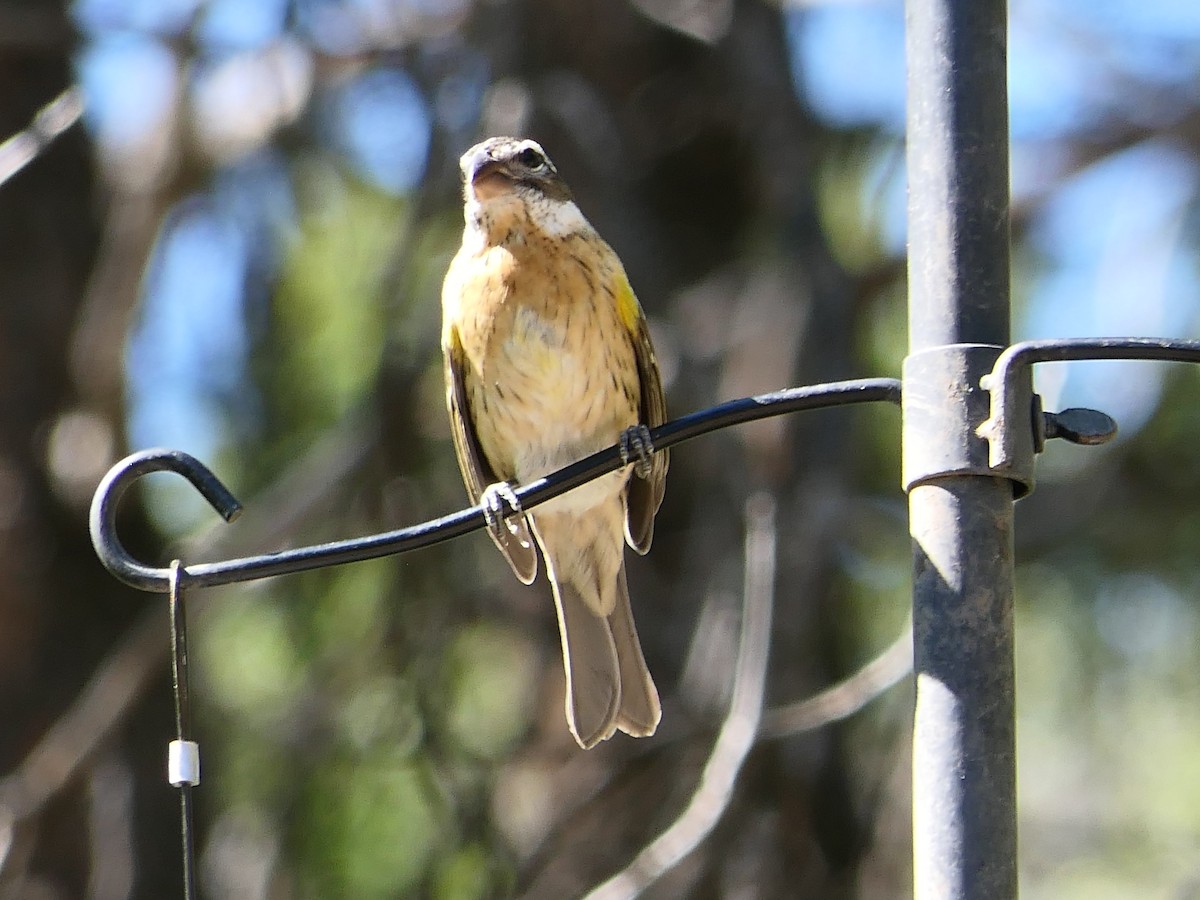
[103, 517]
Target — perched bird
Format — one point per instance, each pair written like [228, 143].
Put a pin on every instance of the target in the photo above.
[548, 359]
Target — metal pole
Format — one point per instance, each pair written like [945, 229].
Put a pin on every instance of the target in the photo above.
[961, 514]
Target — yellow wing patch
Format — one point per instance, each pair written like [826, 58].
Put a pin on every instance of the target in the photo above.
[627, 304]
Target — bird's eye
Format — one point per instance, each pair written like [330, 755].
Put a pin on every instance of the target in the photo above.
[531, 159]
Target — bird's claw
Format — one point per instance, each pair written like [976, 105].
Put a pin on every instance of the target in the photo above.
[637, 448]
[500, 504]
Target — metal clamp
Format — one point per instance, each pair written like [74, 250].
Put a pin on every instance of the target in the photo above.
[945, 408]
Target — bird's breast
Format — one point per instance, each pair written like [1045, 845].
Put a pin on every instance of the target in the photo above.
[553, 366]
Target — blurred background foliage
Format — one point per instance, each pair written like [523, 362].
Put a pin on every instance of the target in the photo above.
[240, 254]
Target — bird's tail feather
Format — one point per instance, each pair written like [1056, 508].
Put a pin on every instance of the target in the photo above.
[608, 683]
[592, 668]
[640, 709]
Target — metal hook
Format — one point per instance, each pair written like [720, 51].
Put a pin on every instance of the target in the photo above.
[148, 578]
[113, 486]
[1005, 432]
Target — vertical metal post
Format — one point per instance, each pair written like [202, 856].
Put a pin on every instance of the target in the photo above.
[964, 804]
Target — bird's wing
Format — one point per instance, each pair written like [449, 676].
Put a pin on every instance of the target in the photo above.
[645, 494]
[516, 544]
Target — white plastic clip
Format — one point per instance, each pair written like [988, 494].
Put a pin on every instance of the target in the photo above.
[183, 763]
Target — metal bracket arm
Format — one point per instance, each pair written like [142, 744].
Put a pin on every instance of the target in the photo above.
[157, 579]
[1009, 384]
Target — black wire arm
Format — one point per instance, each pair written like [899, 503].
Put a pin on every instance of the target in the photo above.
[158, 579]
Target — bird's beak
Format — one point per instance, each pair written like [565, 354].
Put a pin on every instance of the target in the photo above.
[485, 176]
[479, 165]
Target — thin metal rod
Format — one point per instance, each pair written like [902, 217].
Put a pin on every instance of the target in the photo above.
[148, 578]
[183, 721]
[1010, 406]
[964, 804]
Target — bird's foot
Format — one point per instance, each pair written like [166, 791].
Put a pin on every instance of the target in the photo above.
[637, 448]
[502, 509]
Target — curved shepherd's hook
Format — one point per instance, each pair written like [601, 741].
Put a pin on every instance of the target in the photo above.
[113, 486]
[149, 578]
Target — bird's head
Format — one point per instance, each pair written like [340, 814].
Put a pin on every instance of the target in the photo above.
[506, 178]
